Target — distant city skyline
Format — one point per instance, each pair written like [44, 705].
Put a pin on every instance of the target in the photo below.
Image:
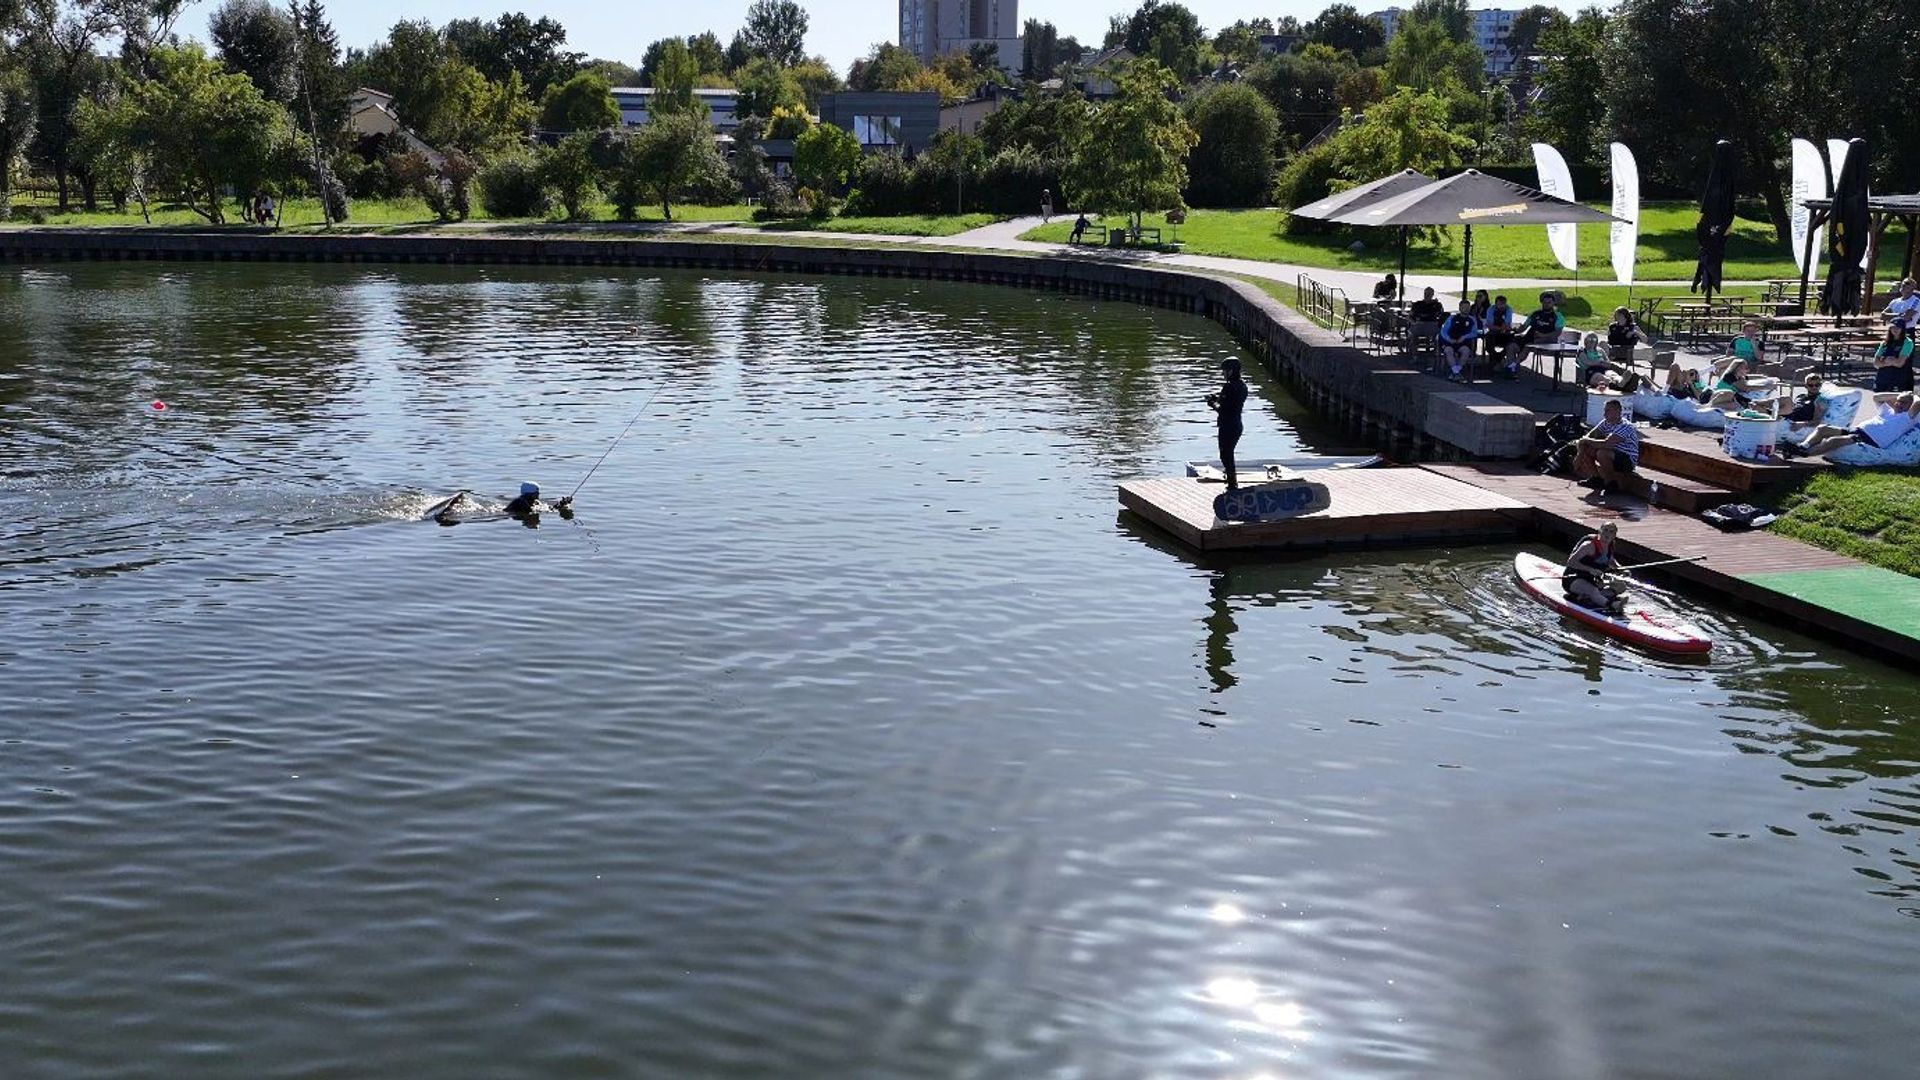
[840, 30]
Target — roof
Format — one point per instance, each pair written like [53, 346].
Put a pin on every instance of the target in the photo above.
[1119, 54]
[1470, 198]
[702, 92]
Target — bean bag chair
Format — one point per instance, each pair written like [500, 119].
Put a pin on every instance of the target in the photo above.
[1695, 415]
[1647, 404]
[1842, 413]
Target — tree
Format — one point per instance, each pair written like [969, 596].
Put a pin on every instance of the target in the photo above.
[1133, 155]
[205, 129]
[1523, 37]
[569, 170]
[1425, 56]
[825, 157]
[887, 67]
[815, 78]
[777, 30]
[444, 99]
[513, 44]
[322, 98]
[1164, 32]
[1233, 160]
[1048, 124]
[1039, 50]
[709, 56]
[674, 78]
[1303, 88]
[1408, 130]
[1570, 109]
[582, 103]
[257, 40]
[615, 72]
[763, 86]
[104, 142]
[1452, 15]
[1240, 43]
[19, 114]
[59, 42]
[1342, 27]
[670, 155]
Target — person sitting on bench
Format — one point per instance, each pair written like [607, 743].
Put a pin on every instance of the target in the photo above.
[1609, 452]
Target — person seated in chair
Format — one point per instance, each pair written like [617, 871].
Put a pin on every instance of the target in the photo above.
[1729, 392]
[1497, 334]
[1427, 309]
[1746, 344]
[1623, 335]
[1387, 288]
[1541, 328]
[1457, 336]
[1898, 415]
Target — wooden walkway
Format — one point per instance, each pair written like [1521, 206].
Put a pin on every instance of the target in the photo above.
[1789, 579]
[1860, 604]
[1370, 507]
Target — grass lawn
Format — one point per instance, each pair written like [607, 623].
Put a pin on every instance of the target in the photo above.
[1667, 247]
[1873, 515]
[904, 225]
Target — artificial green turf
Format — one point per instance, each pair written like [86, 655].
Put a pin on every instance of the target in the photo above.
[1667, 247]
[1871, 515]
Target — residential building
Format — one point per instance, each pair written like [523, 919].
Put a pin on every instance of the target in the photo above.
[933, 28]
[885, 120]
[371, 113]
[636, 101]
[967, 116]
[1490, 29]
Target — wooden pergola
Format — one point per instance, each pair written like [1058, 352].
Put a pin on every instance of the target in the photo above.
[1882, 210]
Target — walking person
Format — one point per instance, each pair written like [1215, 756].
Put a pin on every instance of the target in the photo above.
[1046, 205]
[1227, 405]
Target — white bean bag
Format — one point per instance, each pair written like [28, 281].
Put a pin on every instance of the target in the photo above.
[1842, 407]
[1650, 404]
[1842, 412]
[1695, 415]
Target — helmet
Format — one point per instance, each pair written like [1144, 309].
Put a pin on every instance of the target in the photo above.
[529, 488]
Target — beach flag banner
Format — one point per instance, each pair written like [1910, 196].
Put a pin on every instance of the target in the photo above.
[1625, 246]
[1809, 182]
[1557, 181]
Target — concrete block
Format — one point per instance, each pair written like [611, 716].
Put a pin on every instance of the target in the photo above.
[1479, 424]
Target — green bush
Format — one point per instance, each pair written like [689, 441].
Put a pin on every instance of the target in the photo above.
[570, 172]
[1307, 177]
[1012, 181]
[514, 187]
[883, 187]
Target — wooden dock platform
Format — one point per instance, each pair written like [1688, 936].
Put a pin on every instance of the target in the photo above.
[1370, 507]
[1823, 591]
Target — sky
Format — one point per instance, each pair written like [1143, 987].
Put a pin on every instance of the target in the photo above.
[840, 30]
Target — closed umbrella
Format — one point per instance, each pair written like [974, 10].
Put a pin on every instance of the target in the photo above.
[1848, 232]
[1470, 198]
[1716, 218]
[1365, 195]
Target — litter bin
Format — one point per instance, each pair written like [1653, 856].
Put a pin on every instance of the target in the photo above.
[1117, 237]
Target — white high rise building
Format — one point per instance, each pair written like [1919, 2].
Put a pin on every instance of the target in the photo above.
[931, 28]
[1490, 29]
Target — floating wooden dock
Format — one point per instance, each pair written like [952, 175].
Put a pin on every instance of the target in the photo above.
[1370, 507]
[1819, 590]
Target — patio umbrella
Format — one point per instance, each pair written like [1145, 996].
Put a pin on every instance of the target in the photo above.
[1470, 198]
[1847, 235]
[1716, 217]
[1367, 194]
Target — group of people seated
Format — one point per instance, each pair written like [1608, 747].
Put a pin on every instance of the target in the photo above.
[1483, 326]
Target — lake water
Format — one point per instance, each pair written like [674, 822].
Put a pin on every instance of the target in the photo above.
[848, 730]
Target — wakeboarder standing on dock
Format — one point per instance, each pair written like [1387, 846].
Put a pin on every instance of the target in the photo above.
[1227, 405]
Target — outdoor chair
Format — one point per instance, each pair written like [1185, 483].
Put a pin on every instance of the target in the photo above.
[1423, 339]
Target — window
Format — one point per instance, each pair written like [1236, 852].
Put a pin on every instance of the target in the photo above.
[877, 130]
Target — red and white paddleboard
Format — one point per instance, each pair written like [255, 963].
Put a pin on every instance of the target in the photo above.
[1651, 627]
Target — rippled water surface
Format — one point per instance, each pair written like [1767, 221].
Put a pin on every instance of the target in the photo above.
[848, 730]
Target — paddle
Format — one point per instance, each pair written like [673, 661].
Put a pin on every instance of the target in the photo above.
[1662, 562]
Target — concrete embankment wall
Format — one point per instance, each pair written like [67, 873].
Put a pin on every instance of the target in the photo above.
[1382, 400]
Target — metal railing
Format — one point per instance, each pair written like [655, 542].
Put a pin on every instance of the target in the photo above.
[1326, 305]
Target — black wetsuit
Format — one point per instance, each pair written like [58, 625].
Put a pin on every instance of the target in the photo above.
[1232, 398]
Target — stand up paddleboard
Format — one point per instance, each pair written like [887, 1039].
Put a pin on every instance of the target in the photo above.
[1649, 627]
[1255, 469]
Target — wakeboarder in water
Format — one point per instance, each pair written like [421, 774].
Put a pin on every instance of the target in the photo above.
[524, 507]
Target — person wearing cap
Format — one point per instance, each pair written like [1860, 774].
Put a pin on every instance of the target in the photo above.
[526, 504]
[1588, 578]
[1226, 406]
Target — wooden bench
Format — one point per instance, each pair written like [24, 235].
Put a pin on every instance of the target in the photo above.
[1089, 234]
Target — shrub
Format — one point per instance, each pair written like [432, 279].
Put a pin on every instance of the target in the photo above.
[1012, 181]
[570, 172]
[456, 174]
[883, 187]
[1307, 177]
[513, 187]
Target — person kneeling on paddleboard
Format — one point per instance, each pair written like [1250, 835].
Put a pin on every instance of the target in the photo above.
[1587, 579]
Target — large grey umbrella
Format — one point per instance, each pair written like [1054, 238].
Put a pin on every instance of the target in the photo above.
[1355, 198]
[1470, 198]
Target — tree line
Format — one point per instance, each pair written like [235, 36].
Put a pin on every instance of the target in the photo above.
[102, 101]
